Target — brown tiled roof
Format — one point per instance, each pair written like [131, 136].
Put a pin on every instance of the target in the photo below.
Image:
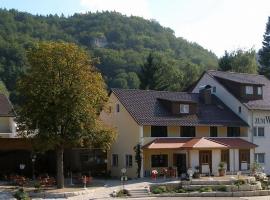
[234, 142]
[199, 143]
[146, 109]
[6, 109]
[263, 104]
[243, 78]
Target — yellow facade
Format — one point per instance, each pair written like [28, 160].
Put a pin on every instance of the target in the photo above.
[127, 138]
[131, 133]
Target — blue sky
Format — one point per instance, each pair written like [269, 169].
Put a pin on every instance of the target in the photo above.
[217, 25]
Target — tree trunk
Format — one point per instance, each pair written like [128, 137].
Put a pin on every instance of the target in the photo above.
[60, 167]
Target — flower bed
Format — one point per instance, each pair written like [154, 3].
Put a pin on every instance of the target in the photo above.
[238, 188]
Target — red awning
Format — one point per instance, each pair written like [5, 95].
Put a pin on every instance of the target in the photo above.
[199, 143]
[166, 143]
[234, 143]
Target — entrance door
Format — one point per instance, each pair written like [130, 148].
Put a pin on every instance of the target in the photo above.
[180, 162]
[244, 159]
[205, 157]
[225, 157]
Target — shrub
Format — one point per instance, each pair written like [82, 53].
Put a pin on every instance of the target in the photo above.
[181, 190]
[37, 186]
[159, 189]
[170, 188]
[240, 182]
[205, 189]
[21, 195]
[221, 188]
[264, 185]
[122, 193]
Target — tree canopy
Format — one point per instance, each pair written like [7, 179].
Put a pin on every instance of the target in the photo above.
[264, 52]
[243, 61]
[63, 94]
[121, 43]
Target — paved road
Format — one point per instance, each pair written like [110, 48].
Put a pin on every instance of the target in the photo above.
[5, 196]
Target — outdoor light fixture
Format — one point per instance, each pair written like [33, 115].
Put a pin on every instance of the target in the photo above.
[22, 166]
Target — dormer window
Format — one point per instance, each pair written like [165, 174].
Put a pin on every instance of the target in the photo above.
[184, 108]
[249, 89]
[259, 90]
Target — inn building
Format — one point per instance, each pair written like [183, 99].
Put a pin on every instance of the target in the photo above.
[225, 117]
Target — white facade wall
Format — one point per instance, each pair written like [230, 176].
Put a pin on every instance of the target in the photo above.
[7, 127]
[262, 142]
[249, 116]
[194, 155]
[216, 158]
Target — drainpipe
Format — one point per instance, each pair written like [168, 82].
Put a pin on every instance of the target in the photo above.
[234, 160]
[141, 141]
[252, 139]
[252, 136]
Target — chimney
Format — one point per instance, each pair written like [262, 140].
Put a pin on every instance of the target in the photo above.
[205, 94]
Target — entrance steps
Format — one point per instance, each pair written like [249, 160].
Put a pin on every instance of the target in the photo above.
[138, 192]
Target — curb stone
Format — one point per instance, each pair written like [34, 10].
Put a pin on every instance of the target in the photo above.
[214, 194]
[60, 195]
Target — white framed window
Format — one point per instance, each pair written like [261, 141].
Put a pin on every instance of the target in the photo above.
[128, 161]
[115, 160]
[214, 89]
[259, 90]
[249, 89]
[184, 108]
[239, 109]
[258, 131]
[260, 158]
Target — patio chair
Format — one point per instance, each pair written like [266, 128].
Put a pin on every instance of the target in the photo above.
[46, 181]
[86, 179]
[205, 169]
[244, 166]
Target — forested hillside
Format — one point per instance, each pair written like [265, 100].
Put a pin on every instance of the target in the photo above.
[121, 43]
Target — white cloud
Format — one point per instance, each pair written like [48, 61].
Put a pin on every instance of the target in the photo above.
[127, 7]
[223, 25]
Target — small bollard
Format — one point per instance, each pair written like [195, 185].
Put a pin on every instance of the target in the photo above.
[84, 182]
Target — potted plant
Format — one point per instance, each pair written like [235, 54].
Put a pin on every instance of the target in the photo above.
[221, 169]
[197, 172]
[255, 168]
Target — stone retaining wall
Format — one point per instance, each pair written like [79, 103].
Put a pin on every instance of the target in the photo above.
[215, 194]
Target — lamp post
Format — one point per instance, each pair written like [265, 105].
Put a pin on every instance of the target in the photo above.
[34, 157]
[71, 181]
[123, 177]
[22, 166]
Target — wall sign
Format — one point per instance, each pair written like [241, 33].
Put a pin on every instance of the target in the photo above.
[262, 120]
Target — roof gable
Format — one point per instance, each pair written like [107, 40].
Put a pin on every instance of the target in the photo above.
[243, 78]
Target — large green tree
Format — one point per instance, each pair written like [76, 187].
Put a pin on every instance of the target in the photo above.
[148, 71]
[243, 61]
[161, 73]
[63, 95]
[264, 53]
